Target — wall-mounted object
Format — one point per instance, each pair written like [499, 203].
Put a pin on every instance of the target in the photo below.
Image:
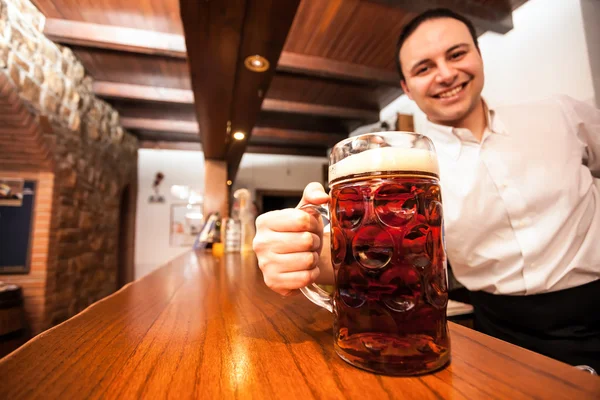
[11, 192]
[157, 197]
[17, 207]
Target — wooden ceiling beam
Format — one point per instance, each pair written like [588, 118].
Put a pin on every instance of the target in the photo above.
[115, 38]
[191, 146]
[277, 105]
[228, 96]
[495, 16]
[293, 151]
[186, 131]
[213, 32]
[164, 145]
[265, 30]
[114, 90]
[149, 93]
[323, 67]
[157, 136]
[310, 139]
[160, 125]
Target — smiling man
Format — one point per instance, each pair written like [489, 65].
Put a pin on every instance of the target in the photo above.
[444, 70]
[521, 203]
[520, 192]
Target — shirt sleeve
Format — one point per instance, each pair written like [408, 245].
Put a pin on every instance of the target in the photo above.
[585, 120]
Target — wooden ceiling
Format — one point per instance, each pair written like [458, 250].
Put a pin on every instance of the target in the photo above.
[332, 66]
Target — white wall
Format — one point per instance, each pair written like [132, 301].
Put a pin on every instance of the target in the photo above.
[277, 172]
[152, 247]
[544, 54]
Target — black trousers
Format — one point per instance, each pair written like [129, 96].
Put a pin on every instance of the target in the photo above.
[564, 325]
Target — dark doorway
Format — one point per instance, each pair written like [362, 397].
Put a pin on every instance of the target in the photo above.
[125, 269]
[270, 200]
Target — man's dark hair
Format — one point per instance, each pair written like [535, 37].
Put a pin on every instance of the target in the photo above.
[428, 15]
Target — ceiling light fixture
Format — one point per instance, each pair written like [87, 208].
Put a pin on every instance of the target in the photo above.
[239, 135]
[256, 63]
[229, 183]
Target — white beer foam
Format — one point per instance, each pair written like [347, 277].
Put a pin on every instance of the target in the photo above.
[385, 159]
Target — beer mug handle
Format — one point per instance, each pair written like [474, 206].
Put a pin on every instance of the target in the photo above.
[313, 292]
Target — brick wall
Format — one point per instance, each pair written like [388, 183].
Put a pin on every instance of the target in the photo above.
[74, 145]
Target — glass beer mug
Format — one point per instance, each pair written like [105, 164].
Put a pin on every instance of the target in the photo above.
[387, 251]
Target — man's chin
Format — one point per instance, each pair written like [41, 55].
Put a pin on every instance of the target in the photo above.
[448, 118]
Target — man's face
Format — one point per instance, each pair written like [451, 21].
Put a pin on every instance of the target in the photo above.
[443, 70]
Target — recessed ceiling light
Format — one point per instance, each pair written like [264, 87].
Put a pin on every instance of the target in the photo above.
[239, 135]
[256, 63]
[229, 183]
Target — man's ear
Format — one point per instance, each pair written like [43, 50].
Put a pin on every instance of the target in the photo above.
[405, 88]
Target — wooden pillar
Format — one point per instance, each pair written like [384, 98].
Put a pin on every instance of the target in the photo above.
[216, 192]
[405, 123]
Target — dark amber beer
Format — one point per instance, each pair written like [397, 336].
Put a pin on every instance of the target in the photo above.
[389, 260]
[388, 254]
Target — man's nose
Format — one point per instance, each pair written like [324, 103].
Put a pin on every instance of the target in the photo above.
[446, 74]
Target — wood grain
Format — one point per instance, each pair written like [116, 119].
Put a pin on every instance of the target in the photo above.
[322, 91]
[204, 327]
[161, 125]
[216, 191]
[213, 33]
[132, 68]
[287, 150]
[295, 107]
[156, 15]
[115, 38]
[113, 90]
[323, 67]
[266, 26]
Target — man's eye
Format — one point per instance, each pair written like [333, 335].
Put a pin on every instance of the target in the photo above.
[422, 70]
[457, 55]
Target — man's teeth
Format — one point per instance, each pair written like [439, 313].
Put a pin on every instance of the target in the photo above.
[452, 92]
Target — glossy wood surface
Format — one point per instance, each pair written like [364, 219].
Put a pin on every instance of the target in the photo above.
[323, 67]
[156, 15]
[115, 38]
[321, 91]
[208, 327]
[351, 31]
[132, 68]
[295, 107]
[265, 29]
[162, 125]
[113, 90]
[146, 109]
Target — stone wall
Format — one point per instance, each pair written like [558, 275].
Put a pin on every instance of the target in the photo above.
[93, 161]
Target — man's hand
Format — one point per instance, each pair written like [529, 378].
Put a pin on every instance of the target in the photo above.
[288, 244]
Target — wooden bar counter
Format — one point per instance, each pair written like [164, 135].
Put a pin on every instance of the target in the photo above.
[205, 327]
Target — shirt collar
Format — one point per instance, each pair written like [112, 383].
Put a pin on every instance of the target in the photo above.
[451, 139]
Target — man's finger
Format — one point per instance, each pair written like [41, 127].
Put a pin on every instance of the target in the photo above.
[292, 220]
[313, 194]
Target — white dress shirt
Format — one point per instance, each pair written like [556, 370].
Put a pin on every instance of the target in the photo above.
[522, 208]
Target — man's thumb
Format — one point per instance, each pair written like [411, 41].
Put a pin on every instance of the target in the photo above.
[314, 194]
